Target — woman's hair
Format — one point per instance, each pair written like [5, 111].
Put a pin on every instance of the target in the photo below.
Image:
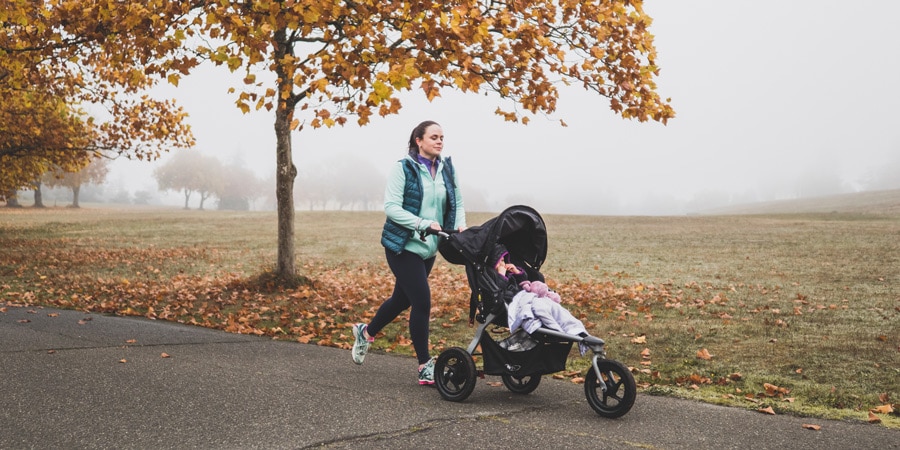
[418, 133]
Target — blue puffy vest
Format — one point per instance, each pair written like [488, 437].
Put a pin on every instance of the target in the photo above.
[394, 237]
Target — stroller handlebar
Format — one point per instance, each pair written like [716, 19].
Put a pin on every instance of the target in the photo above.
[443, 234]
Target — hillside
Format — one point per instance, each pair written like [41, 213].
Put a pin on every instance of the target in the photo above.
[872, 202]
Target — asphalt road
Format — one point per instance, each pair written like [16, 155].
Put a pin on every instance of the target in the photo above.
[75, 380]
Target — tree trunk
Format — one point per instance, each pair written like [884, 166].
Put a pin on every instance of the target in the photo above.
[285, 171]
[12, 201]
[75, 191]
[187, 196]
[38, 196]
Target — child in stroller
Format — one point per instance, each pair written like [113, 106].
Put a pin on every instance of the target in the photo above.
[532, 307]
[502, 258]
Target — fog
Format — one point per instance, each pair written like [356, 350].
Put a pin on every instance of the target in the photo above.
[774, 100]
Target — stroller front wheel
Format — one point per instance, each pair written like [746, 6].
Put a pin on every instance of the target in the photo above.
[620, 393]
[454, 374]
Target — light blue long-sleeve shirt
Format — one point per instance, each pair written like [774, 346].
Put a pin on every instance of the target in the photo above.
[434, 199]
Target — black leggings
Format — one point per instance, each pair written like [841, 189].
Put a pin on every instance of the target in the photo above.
[410, 290]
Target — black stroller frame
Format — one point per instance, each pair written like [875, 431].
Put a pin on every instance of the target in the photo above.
[608, 385]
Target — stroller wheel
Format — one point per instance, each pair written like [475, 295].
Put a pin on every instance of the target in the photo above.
[454, 374]
[521, 385]
[620, 389]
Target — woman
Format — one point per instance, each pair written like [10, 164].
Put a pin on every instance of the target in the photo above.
[421, 193]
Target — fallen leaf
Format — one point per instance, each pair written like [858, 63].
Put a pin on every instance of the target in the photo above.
[495, 383]
[883, 409]
[164, 355]
[873, 418]
[53, 315]
[812, 427]
[736, 376]
[50, 352]
[767, 410]
[772, 390]
[123, 361]
[645, 353]
[704, 354]
[639, 340]
[578, 380]
[23, 321]
[131, 341]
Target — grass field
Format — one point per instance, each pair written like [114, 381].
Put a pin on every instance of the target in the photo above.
[797, 313]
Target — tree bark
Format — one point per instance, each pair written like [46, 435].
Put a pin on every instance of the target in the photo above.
[285, 172]
[38, 195]
[12, 201]
[75, 191]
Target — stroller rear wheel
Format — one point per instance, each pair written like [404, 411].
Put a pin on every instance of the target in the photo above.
[521, 385]
[454, 374]
[620, 389]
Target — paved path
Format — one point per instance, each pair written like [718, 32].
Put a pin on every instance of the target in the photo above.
[64, 386]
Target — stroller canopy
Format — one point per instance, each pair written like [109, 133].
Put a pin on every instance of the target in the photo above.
[519, 228]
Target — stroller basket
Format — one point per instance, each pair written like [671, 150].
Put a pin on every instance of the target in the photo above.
[544, 358]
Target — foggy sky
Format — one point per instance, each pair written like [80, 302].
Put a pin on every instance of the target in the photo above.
[774, 100]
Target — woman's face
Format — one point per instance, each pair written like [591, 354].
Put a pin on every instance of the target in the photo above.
[432, 142]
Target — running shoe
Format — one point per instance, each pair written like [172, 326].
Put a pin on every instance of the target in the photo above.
[360, 343]
[426, 373]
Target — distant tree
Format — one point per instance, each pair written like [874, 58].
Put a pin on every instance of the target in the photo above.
[360, 183]
[38, 197]
[190, 171]
[239, 188]
[314, 186]
[93, 173]
[143, 197]
[122, 197]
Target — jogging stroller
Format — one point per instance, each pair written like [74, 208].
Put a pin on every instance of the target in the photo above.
[520, 359]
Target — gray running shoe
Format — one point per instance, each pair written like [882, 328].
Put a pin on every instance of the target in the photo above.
[360, 343]
[426, 373]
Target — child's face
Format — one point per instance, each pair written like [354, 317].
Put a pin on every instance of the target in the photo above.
[500, 267]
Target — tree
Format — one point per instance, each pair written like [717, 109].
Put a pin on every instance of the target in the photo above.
[239, 188]
[93, 173]
[190, 171]
[39, 132]
[336, 60]
[58, 57]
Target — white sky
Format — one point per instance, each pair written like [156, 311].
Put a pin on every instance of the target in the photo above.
[769, 95]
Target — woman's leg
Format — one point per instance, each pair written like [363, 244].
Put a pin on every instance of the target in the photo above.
[411, 290]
